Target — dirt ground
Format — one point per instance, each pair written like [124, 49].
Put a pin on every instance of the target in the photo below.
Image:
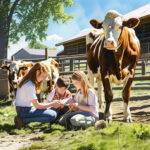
[140, 110]
[139, 106]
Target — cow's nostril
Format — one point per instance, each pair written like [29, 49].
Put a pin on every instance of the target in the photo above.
[112, 43]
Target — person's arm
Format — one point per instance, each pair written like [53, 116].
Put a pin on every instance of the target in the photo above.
[67, 100]
[38, 105]
[92, 98]
[77, 106]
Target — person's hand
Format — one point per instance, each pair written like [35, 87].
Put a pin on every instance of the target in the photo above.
[56, 104]
[61, 104]
[73, 106]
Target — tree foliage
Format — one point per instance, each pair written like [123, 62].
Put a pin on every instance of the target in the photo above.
[31, 17]
[37, 45]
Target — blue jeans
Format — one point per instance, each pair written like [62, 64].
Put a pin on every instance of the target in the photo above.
[27, 114]
[68, 117]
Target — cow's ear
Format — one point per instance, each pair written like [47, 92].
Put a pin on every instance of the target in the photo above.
[131, 23]
[96, 24]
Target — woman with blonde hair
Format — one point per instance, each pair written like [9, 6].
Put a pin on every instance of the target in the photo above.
[27, 106]
[84, 107]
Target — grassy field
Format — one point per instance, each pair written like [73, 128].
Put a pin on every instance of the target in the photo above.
[117, 135]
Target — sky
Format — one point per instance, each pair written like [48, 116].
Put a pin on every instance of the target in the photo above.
[83, 11]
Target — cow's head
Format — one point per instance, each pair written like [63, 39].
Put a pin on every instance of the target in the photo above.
[53, 69]
[113, 25]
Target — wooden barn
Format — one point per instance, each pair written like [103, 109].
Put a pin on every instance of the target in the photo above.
[76, 45]
[34, 54]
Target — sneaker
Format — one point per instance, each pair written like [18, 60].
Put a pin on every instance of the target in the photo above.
[18, 122]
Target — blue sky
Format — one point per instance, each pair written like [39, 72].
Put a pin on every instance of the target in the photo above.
[83, 11]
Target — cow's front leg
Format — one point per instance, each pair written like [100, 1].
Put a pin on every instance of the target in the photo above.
[100, 92]
[108, 98]
[126, 98]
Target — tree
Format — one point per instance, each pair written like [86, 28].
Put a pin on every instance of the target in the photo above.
[28, 18]
[37, 45]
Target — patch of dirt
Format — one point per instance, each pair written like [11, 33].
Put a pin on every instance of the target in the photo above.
[15, 142]
[140, 110]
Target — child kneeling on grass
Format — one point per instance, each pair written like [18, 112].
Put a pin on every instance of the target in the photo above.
[62, 94]
[27, 106]
[84, 110]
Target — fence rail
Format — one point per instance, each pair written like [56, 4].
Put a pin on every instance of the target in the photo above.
[69, 64]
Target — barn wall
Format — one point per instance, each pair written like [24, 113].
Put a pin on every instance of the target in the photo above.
[143, 33]
[74, 47]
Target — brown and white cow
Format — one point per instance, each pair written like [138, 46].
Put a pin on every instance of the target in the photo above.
[53, 74]
[118, 50]
[16, 71]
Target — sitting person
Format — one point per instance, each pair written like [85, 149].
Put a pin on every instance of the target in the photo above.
[27, 106]
[84, 110]
[62, 94]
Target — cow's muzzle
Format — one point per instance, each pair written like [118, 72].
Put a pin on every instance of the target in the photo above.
[110, 44]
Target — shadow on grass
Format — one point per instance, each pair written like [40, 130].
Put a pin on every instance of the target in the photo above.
[5, 103]
[87, 147]
[9, 128]
[30, 128]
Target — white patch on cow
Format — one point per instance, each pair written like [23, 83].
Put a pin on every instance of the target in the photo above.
[127, 113]
[109, 114]
[113, 78]
[95, 33]
[112, 30]
[97, 76]
[89, 40]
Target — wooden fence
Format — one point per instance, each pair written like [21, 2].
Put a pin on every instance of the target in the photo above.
[67, 65]
[71, 63]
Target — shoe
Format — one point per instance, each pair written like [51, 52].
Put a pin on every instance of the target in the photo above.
[18, 122]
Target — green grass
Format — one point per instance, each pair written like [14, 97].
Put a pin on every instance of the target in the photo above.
[117, 135]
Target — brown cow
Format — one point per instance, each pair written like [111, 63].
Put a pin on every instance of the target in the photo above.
[117, 51]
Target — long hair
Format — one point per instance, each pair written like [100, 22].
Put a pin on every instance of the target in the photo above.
[31, 75]
[85, 85]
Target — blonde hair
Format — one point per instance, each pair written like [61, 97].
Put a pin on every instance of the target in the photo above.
[85, 85]
[31, 75]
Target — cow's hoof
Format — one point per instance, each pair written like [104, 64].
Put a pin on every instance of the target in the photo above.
[109, 119]
[128, 120]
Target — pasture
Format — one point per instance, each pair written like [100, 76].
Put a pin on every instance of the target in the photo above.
[118, 135]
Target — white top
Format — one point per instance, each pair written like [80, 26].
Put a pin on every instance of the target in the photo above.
[91, 100]
[25, 95]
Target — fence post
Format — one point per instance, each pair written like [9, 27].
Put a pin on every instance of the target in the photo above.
[143, 67]
[46, 53]
[62, 66]
[13, 58]
[71, 64]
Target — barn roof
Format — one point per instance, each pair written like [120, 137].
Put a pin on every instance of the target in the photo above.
[31, 54]
[78, 36]
[139, 13]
